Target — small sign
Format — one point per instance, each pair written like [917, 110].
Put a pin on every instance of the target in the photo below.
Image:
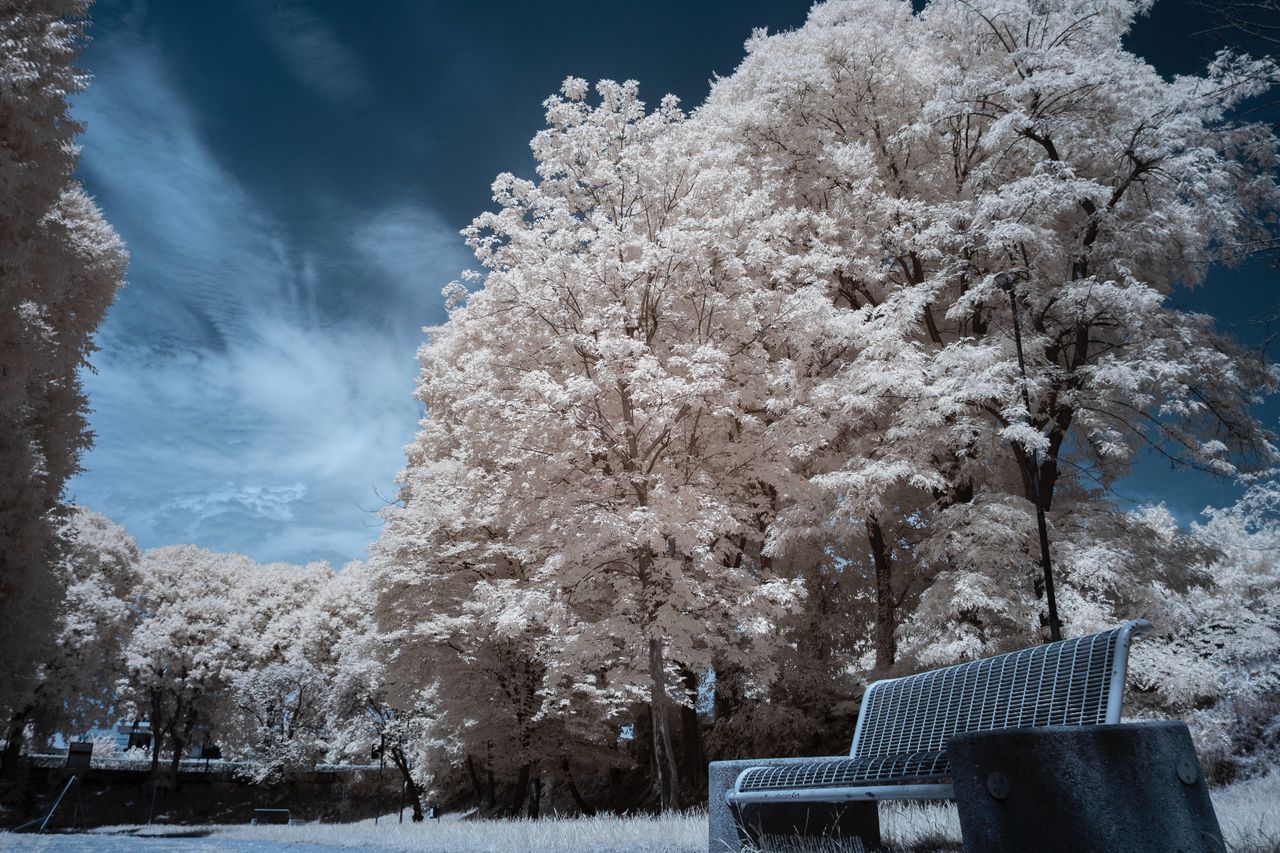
[79, 755]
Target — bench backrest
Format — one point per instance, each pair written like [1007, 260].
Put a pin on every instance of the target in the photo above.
[1076, 682]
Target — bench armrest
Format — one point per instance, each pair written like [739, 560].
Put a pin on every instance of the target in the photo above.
[724, 774]
[721, 777]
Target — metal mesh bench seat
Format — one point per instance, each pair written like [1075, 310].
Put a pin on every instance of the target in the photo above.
[900, 741]
[913, 767]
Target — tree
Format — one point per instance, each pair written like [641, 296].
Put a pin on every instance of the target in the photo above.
[605, 397]
[281, 668]
[933, 152]
[97, 618]
[362, 722]
[1248, 25]
[729, 367]
[60, 266]
[75, 685]
[180, 659]
[1213, 662]
[456, 654]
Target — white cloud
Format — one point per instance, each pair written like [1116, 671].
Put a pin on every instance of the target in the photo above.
[188, 222]
[316, 56]
[413, 247]
[229, 410]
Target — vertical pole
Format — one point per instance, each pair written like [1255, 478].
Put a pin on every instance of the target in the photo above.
[84, 819]
[1006, 282]
[382, 761]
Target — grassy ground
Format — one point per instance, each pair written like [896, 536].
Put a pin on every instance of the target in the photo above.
[1249, 813]
[684, 833]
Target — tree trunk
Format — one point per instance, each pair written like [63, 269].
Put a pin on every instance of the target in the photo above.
[886, 646]
[535, 801]
[584, 807]
[13, 744]
[693, 760]
[475, 778]
[176, 741]
[727, 697]
[157, 734]
[410, 787]
[180, 737]
[666, 777]
[522, 790]
[615, 789]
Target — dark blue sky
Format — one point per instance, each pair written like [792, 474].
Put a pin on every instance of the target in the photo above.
[290, 179]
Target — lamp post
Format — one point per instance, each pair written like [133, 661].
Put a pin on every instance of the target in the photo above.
[1007, 282]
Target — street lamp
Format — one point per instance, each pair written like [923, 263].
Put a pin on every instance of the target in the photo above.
[1007, 282]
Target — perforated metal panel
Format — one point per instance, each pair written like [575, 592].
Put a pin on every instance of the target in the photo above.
[848, 772]
[1058, 684]
[905, 723]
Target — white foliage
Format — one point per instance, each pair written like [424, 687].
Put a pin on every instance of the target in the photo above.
[62, 264]
[725, 363]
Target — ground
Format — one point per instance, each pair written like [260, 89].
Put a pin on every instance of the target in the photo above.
[1246, 810]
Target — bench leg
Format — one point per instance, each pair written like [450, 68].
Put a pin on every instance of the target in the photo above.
[755, 825]
[774, 825]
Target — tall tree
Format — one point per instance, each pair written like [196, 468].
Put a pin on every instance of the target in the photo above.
[934, 152]
[607, 390]
[60, 266]
[76, 682]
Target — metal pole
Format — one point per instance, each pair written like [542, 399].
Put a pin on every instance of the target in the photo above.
[1006, 283]
[382, 761]
[84, 819]
[57, 803]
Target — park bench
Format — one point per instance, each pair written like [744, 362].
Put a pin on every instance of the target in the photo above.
[899, 748]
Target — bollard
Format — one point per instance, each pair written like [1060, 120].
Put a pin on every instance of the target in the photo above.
[1132, 787]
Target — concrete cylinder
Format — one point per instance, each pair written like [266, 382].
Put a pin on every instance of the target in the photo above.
[1132, 787]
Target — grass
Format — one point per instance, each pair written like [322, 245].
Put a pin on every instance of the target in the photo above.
[1247, 811]
[682, 833]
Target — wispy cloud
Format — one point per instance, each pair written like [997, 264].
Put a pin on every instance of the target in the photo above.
[407, 245]
[315, 55]
[232, 409]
